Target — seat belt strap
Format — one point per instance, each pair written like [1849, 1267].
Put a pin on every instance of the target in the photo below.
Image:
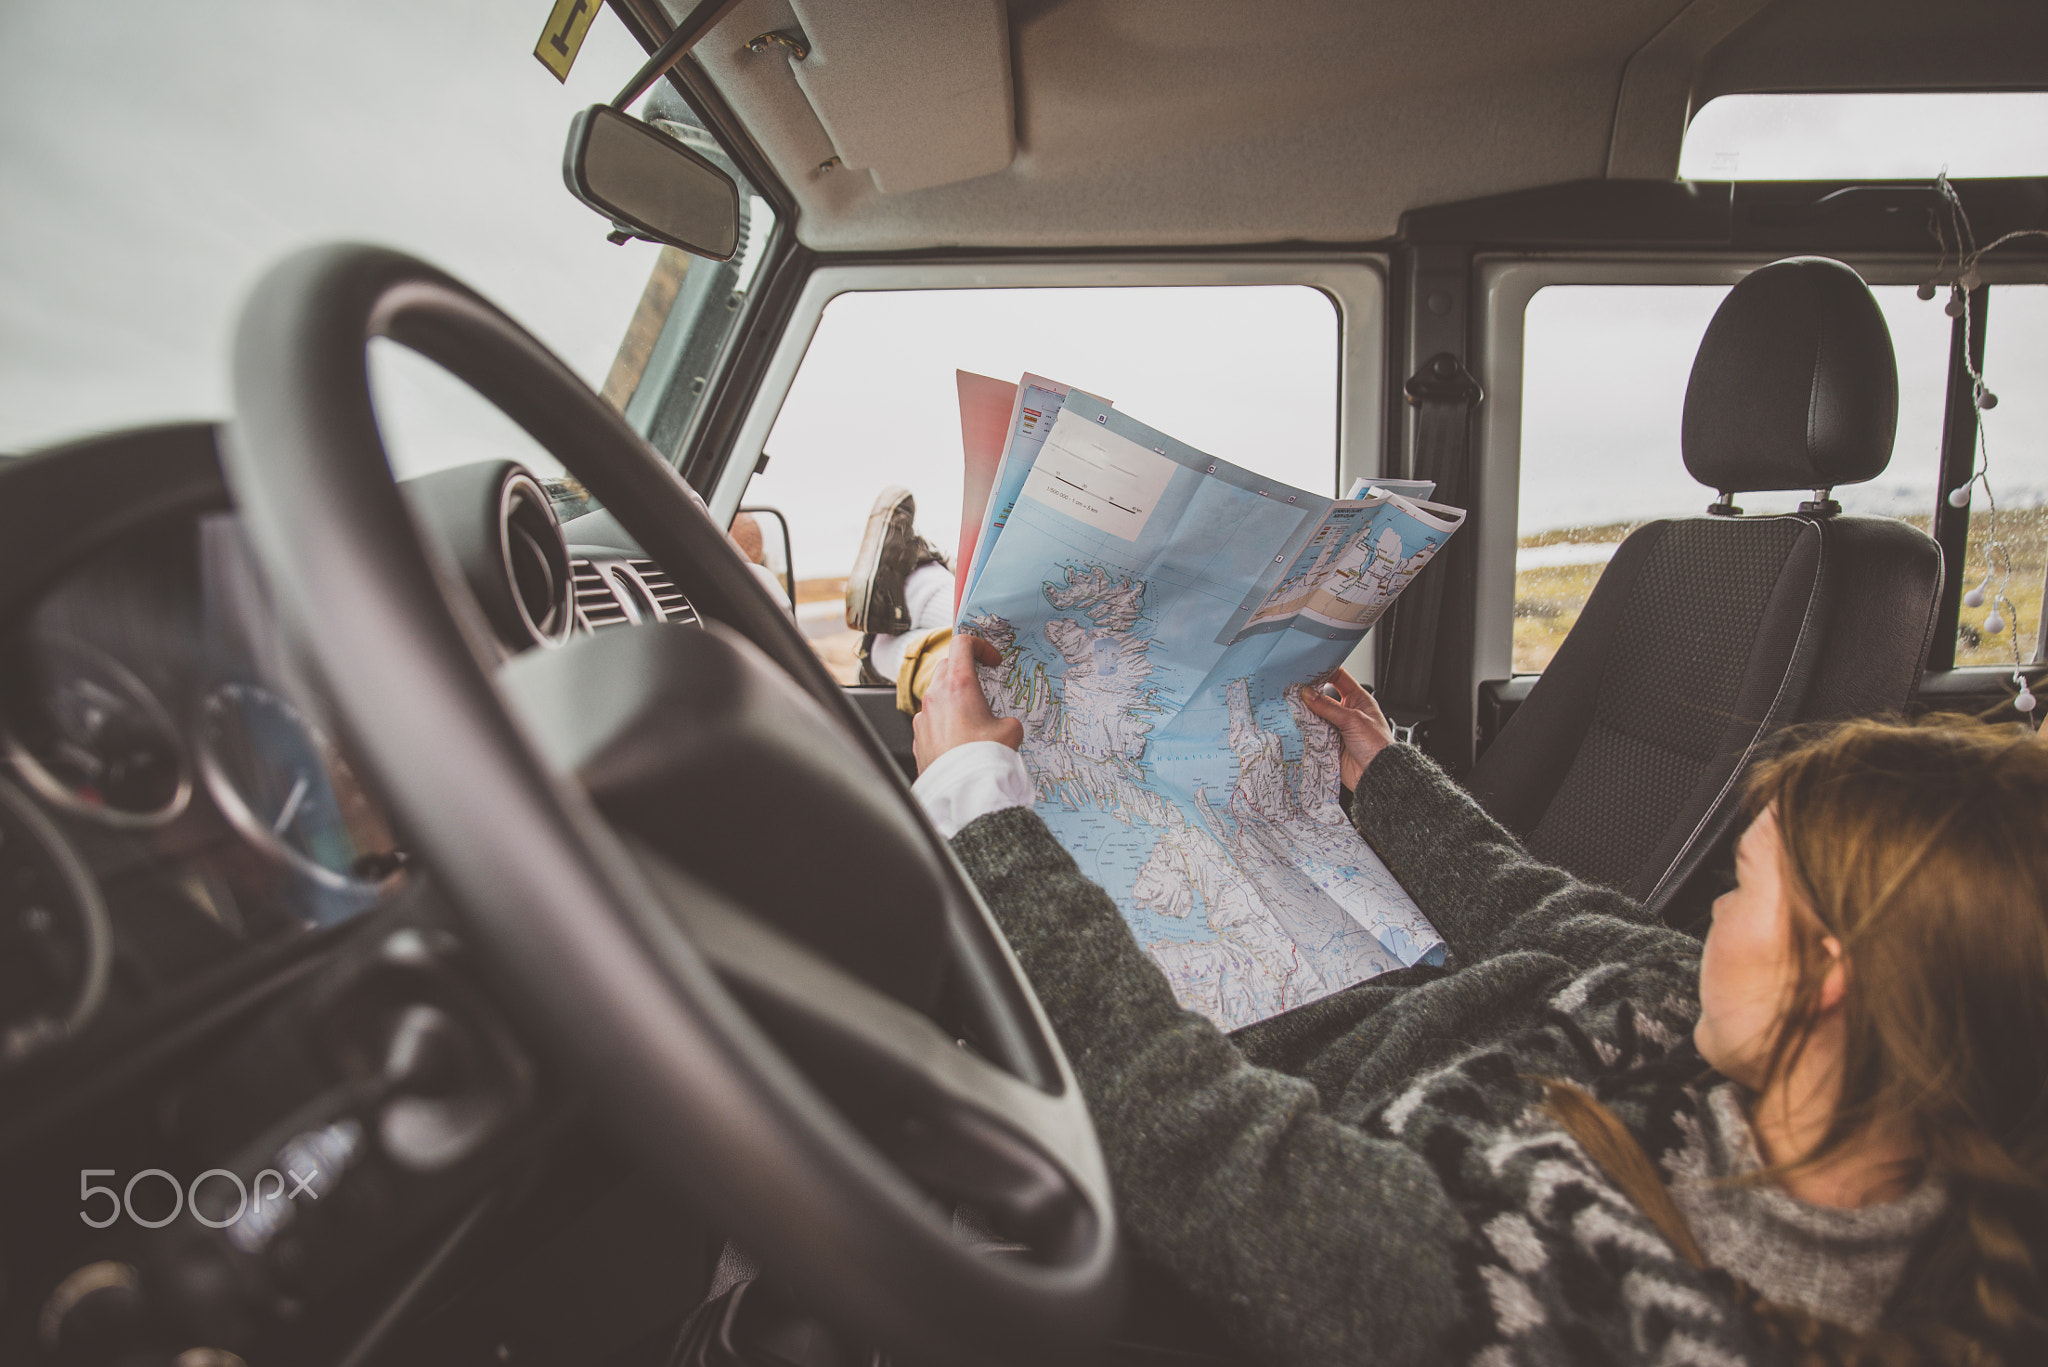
[1720, 817]
[1443, 393]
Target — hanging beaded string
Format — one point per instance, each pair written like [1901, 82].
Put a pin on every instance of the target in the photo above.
[1997, 554]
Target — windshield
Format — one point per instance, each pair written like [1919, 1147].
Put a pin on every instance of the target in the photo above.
[161, 157]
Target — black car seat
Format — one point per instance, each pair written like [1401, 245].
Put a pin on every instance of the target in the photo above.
[1705, 636]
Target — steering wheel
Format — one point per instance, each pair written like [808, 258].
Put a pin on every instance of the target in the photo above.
[681, 850]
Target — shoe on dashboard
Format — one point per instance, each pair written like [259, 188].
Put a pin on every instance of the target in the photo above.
[888, 552]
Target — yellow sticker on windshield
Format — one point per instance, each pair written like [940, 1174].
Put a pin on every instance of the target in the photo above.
[563, 37]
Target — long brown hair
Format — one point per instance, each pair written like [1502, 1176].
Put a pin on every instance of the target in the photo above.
[1923, 850]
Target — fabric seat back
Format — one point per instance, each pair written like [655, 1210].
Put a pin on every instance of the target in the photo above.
[1705, 637]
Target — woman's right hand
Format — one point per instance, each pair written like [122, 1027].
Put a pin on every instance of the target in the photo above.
[1364, 728]
[955, 710]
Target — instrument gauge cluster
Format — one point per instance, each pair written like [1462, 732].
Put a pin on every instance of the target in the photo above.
[171, 796]
[172, 793]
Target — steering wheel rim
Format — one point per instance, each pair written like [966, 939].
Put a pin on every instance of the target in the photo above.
[585, 928]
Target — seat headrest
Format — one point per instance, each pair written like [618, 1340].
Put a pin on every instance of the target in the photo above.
[1795, 386]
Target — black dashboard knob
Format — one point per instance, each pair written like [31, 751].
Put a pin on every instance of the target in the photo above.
[445, 1096]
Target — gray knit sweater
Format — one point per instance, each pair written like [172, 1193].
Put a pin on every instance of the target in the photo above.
[1368, 1178]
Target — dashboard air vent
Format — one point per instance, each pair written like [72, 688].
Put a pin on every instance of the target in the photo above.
[667, 597]
[595, 601]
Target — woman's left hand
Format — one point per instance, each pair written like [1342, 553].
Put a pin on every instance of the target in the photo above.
[1357, 718]
[955, 710]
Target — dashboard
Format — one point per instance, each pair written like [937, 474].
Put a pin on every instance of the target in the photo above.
[174, 788]
[219, 960]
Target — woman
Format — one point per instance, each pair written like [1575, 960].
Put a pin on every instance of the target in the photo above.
[1821, 1138]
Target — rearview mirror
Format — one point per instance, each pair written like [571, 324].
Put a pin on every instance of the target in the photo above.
[650, 185]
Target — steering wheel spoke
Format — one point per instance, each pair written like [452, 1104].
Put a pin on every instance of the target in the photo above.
[967, 1130]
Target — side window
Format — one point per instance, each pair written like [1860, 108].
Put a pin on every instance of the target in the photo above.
[2015, 455]
[1866, 135]
[1603, 390]
[1247, 372]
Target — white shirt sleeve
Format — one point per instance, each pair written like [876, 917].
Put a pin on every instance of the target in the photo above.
[972, 780]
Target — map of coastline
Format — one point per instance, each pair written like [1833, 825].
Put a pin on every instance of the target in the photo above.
[1156, 610]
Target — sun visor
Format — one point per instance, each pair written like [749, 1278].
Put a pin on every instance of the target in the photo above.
[915, 92]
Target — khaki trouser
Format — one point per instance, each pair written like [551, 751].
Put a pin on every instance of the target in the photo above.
[921, 658]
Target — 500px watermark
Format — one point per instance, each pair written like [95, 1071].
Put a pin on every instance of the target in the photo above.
[247, 1194]
[306, 1165]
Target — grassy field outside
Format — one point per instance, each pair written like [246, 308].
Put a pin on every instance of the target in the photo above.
[1549, 598]
[2025, 534]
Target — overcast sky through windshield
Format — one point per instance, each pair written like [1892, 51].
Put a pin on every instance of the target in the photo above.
[159, 157]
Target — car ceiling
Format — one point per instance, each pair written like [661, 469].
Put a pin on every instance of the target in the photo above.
[1116, 123]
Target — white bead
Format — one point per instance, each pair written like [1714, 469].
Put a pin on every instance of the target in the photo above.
[2025, 701]
[1994, 623]
[1974, 598]
[1959, 497]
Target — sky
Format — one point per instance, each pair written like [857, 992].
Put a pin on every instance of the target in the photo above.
[159, 157]
[1200, 363]
[1600, 422]
[1882, 137]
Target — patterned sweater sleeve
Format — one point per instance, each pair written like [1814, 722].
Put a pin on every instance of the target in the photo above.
[1480, 888]
[1323, 1243]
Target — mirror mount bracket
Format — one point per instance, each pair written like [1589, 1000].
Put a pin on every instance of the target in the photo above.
[681, 39]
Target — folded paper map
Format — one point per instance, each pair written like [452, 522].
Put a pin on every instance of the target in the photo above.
[986, 407]
[1157, 610]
